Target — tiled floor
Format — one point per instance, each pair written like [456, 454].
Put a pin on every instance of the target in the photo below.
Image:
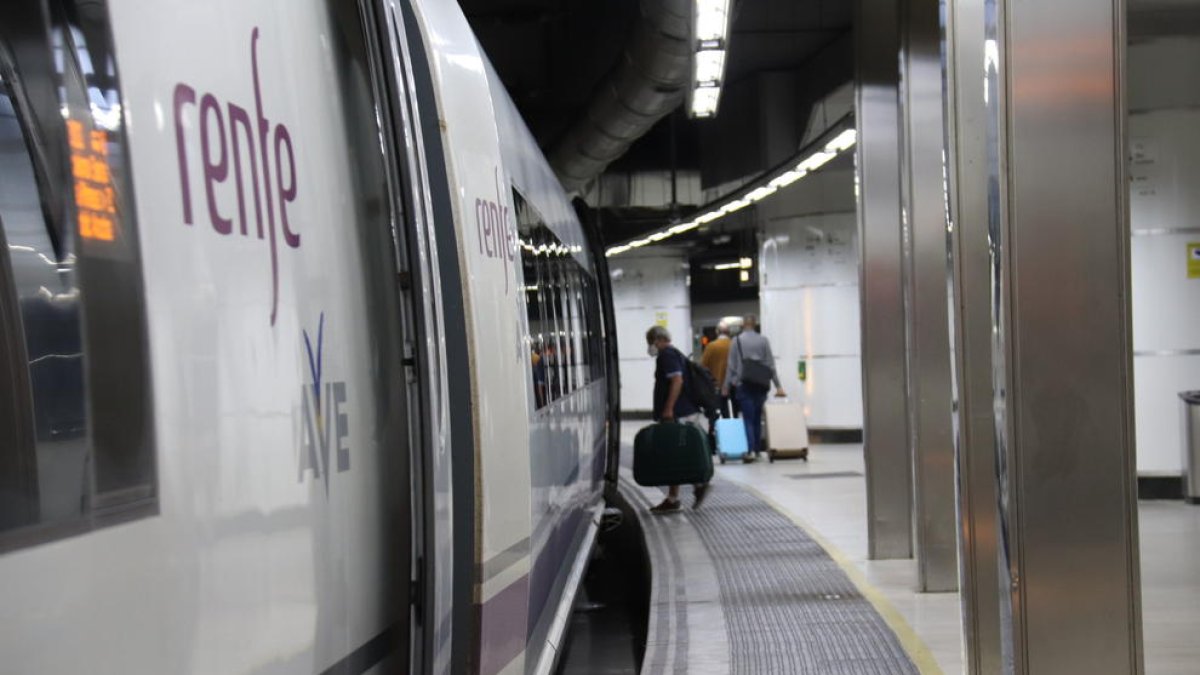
[834, 507]
[1170, 533]
[739, 588]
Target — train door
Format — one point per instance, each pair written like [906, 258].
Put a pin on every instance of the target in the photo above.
[608, 338]
[426, 252]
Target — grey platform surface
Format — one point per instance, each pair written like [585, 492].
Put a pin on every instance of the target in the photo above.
[739, 588]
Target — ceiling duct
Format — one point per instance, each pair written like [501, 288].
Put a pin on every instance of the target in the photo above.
[650, 81]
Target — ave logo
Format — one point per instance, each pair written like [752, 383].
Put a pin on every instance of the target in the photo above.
[325, 424]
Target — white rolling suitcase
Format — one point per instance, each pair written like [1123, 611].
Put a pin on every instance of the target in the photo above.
[786, 430]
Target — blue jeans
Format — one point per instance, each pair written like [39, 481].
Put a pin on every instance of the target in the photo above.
[752, 399]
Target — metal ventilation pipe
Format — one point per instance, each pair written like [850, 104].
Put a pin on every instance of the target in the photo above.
[650, 81]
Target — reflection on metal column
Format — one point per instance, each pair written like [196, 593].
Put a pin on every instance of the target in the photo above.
[926, 274]
[1063, 400]
[971, 332]
[885, 421]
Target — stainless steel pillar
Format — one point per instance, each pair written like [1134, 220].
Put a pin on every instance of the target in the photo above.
[926, 280]
[885, 422]
[1062, 355]
[971, 333]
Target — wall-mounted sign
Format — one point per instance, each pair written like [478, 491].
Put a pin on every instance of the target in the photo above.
[802, 370]
[1194, 260]
[660, 318]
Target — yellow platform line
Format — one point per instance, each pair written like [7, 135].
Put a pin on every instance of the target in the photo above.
[912, 643]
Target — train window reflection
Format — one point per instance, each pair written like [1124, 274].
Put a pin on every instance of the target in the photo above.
[75, 439]
[563, 324]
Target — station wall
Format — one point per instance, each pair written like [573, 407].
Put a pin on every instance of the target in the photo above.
[809, 300]
[1164, 130]
[648, 288]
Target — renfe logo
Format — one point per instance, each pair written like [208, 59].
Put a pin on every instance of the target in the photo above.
[496, 238]
[219, 143]
[326, 425]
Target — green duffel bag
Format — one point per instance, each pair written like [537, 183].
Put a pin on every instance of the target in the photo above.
[670, 453]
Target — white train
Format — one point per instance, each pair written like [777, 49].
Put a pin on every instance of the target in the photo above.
[305, 361]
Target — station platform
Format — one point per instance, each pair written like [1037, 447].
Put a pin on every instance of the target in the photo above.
[771, 576]
[744, 585]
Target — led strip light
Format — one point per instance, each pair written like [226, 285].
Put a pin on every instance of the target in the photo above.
[766, 186]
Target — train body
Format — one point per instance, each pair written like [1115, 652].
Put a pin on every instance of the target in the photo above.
[311, 360]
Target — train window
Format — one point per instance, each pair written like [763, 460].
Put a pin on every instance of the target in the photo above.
[591, 309]
[579, 342]
[76, 428]
[566, 330]
[532, 293]
[551, 322]
[562, 325]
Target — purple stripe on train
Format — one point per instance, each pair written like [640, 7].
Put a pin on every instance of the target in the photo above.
[501, 619]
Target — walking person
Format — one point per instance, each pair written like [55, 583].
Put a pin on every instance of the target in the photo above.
[750, 372]
[716, 358]
[671, 403]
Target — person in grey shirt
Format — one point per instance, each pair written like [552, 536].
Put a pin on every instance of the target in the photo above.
[750, 373]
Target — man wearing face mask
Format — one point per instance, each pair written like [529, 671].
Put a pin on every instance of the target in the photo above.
[671, 403]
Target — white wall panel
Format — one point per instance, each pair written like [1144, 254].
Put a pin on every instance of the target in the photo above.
[646, 289]
[1157, 381]
[1165, 218]
[810, 311]
[1166, 304]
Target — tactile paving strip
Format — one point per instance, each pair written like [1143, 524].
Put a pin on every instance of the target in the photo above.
[789, 608]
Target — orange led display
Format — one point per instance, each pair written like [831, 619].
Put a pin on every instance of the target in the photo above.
[95, 196]
[75, 134]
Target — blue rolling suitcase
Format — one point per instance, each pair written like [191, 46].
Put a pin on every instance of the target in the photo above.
[731, 439]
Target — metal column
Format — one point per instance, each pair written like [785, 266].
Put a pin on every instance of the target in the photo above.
[885, 420]
[1059, 222]
[926, 281]
[971, 333]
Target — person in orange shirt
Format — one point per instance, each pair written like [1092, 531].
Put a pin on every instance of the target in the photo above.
[716, 358]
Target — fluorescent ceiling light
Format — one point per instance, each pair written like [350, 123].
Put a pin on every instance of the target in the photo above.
[704, 101]
[712, 19]
[761, 193]
[786, 179]
[815, 161]
[843, 141]
[840, 143]
[727, 266]
[735, 205]
[710, 66]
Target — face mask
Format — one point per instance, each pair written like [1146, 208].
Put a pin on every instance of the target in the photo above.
[652, 350]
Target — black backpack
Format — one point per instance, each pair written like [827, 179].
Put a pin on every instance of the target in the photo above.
[701, 390]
